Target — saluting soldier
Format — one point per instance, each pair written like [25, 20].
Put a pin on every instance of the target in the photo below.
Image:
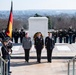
[49, 45]
[22, 34]
[39, 44]
[16, 35]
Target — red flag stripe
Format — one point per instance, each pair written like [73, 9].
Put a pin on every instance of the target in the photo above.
[10, 23]
[11, 17]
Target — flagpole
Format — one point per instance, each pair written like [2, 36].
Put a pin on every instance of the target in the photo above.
[8, 24]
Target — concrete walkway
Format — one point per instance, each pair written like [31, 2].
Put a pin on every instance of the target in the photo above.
[57, 67]
[20, 67]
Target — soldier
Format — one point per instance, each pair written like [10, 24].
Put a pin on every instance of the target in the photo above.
[6, 51]
[16, 35]
[70, 32]
[55, 36]
[60, 35]
[39, 44]
[12, 35]
[22, 34]
[49, 45]
[66, 36]
[74, 35]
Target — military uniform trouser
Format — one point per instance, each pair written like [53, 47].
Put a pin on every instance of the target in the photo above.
[16, 40]
[21, 39]
[60, 39]
[49, 55]
[55, 39]
[66, 40]
[70, 39]
[73, 39]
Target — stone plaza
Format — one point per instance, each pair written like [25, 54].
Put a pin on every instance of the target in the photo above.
[62, 53]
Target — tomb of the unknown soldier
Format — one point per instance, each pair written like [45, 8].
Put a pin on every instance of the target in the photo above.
[38, 24]
[38, 37]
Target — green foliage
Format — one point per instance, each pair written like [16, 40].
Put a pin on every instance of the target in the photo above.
[25, 26]
[37, 15]
[49, 23]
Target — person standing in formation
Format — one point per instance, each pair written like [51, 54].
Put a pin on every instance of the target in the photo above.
[22, 34]
[16, 35]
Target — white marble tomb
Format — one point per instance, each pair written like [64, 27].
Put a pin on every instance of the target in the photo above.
[38, 24]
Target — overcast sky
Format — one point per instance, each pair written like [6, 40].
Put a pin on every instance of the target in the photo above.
[38, 4]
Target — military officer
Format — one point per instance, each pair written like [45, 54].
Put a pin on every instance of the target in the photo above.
[49, 45]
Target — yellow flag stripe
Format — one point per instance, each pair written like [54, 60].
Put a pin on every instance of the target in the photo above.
[10, 29]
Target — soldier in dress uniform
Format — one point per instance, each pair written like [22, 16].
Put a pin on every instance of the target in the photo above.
[39, 44]
[12, 35]
[55, 35]
[70, 32]
[66, 36]
[74, 35]
[60, 35]
[22, 34]
[16, 35]
[49, 45]
[6, 51]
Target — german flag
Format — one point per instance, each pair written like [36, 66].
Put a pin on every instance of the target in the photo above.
[10, 23]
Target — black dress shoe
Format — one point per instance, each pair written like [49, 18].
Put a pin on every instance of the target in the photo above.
[10, 71]
[49, 61]
[27, 61]
[39, 61]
